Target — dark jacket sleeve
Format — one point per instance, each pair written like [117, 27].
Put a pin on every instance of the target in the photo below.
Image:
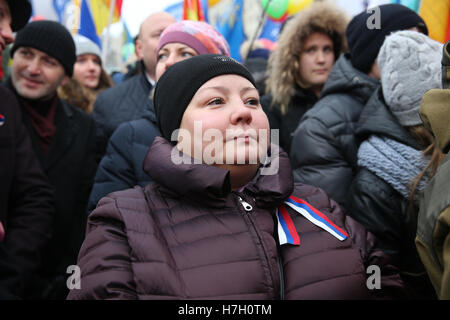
[391, 283]
[380, 209]
[106, 245]
[29, 215]
[318, 159]
[115, 171]
[87, 181]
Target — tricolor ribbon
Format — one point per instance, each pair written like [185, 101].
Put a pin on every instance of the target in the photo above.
[286, 228]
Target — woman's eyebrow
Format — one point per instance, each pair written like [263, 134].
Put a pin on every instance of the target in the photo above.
[244, 90]
[218, 88]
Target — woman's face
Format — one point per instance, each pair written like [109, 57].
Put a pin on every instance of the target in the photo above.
[170, 54]
[224, 123]
[87, 70]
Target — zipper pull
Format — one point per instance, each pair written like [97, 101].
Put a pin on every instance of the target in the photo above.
[247, 206]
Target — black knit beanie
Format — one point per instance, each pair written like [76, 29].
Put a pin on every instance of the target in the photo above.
[50, 37]
[364, 43]
[20, 13]
[178, 85]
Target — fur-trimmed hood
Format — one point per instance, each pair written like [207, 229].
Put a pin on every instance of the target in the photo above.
[283, 62]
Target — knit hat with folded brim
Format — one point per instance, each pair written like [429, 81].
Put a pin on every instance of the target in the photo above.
[50, 37]
[198, 35]
[410, 64]
[178, 85]
[365, 40]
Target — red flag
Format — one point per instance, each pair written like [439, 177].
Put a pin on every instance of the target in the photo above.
[192, 10]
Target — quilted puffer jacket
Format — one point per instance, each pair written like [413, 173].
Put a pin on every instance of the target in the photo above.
[122, 166]
[188, 236]
[324, 146]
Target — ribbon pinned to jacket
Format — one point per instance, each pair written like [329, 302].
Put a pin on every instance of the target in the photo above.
[286, 229]
[316, 217]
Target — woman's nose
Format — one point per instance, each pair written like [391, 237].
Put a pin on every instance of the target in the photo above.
[241, 114]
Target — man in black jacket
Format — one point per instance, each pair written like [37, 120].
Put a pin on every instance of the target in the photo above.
[324, 147]
[63, 137]
[26, 196]
[130, 100]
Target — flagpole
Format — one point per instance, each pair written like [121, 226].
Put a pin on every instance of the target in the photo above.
[105, 48]
[255, 35]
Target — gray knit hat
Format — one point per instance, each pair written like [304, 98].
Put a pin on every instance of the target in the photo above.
[410, 64]
[85, 45]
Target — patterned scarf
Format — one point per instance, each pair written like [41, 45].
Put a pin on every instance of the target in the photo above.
[395, 163]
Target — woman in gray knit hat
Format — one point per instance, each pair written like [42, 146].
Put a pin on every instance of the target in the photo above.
[398, 156]
[89, 78]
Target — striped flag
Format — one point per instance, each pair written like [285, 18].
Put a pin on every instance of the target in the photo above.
[192, 10]
[95, 15]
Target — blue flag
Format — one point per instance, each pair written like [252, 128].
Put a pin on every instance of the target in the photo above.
[87, 25]
[230, 25]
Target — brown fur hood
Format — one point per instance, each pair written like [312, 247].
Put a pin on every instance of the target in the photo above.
[283, 63]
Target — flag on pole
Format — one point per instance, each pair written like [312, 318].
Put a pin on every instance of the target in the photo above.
[192, 10]
[228, 18]
[95, 17]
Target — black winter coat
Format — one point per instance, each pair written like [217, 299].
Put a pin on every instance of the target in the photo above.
[26, 202]
[122, 166]
[70, 166]
[301, 102]
[127, 101]
[383, 210]
[324, 146]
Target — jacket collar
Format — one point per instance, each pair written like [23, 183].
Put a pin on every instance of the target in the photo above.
[344, 78]
[66, 130]
[210, 185]
[377, 119]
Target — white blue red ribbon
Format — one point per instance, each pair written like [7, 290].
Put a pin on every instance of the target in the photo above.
[286, 228]
[316, 217]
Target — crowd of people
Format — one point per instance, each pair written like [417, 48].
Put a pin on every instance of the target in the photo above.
[290, 181]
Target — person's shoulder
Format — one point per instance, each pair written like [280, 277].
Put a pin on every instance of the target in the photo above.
[5, 91]
[138, 128]
[126, 202]
[9, 101]
[75, 112]
[311, 194]
[114, 93]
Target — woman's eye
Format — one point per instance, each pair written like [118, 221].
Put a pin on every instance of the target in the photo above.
[216, 101]
[161, 56]
[253, 102]
[187, 54]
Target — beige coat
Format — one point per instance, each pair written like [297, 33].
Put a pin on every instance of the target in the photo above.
[433, 230]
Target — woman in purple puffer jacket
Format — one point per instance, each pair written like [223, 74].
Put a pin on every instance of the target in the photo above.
[221, 220]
